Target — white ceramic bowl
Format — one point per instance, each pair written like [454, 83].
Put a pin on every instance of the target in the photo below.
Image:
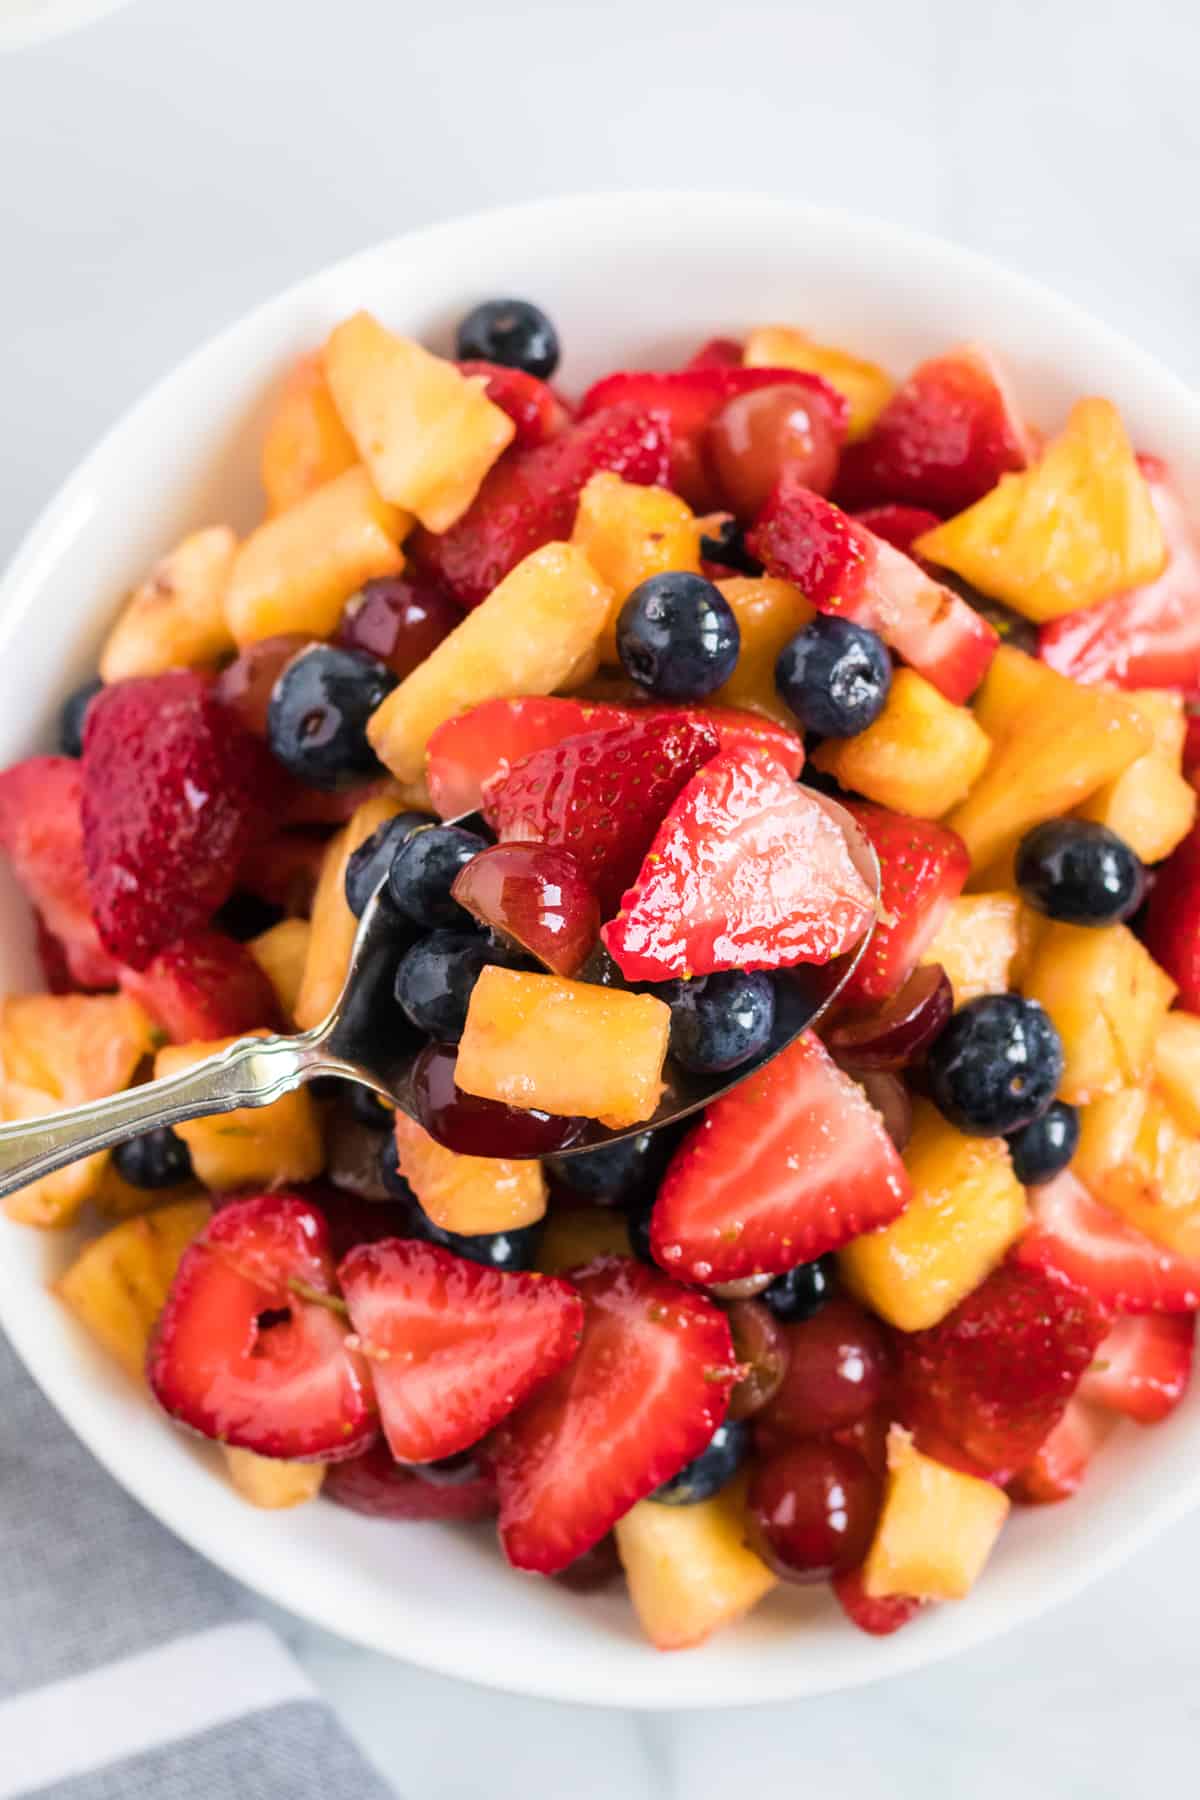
[627, 278]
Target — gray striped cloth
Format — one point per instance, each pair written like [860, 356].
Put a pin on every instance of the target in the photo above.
[130, 1669]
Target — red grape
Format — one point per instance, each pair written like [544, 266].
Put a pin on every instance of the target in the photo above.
[760, 1345]
[376, 1484]
[535, 895]
[902, 1029]
[891, 1100]
[476, 1127]
[838, 1366]
[811, 1511]
[399, 619]
[596, 1568]
[755, 434]
[246, 684]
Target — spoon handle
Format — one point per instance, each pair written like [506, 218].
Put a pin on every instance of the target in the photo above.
[254, 1071]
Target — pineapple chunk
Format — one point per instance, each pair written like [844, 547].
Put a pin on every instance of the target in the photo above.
[333, 925]
[471, 1195]
[176, 619]
[282, 954]
[1056, 751]
[526, 638]
[977, 944]
[59, 1050]
[769, 614]
[1108, 999]
[427, 432]
[116, 1199]
[967, 1209]
[1150, 804]
[296, 572]
[575, 1234]
[270, 1482]
[936, 1530]
[118, 1284]
[1175, 1228]
[254, 1146]
[1076, 528]
[921, 755]
[629, 533]
[306, 443]
[1013, 684]
[1132, 1150]
[867, 387]
[1177, 1066]
[565, 1047]
[688, 1567]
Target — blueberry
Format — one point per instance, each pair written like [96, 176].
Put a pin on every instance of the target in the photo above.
[509, 1250]
[366, 1106]
[1076, 870]
[607, 1172]
[996, 1065]
[708, 1473]
[727, 545]
[513, 332]
[373, 858]
[434, 980]
[246, 915]
[719, 1021]
[835, 676]
[801, 1292]
[1042, 1150]
[423, 871]
[677, 636]
[637, 1219]
[158, 1159]
[450, 1471]
[317, 718]
[72, 716]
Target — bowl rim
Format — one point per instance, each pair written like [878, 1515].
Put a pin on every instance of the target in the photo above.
[676, 1682]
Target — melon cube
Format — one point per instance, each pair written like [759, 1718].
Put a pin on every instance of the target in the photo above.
[921, 756]
[1108, 999]
[967, 1209]
[566, 1047]
[866, 387]
[333, 926]
[472, 1195]
[1072, 530]
[769, 614]
[1132, 1149]
[1177, 1066]
[575, 1235]
[176, 618]
[978, 943]
[254, 1146]
[688, 1567]
[296, 572]
[629, 533]
[937, 1528]
[270, 1481]
[526, 638]
[305, 444]
[427, 432]
[282, 954]
[1150, 804]
[118, 1284]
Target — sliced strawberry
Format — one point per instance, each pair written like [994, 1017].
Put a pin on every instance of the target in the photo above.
[1075, 1238]
[377, 1485]
[1143, 1366]
[1148, 637]
[1172, 929]
[690, 398]
[452, 1346]
[842, 567]
[204, 986]
[647, 1390]
[1058, 1469]
[532, 405]
[790, 1164]
[602, 794]
[41, 833]
[879, 1617]
[174, 789]
[996, 1375]
[529, 498]
[284, 869]
[739, 730]
[247, 1352]
[899, 526]
[747, 871]
[922, 868]
[716, 353]
[944, 438]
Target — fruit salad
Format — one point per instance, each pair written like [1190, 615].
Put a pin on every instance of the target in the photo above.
[562, 685]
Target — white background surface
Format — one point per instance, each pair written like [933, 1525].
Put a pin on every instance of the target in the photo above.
[183, 158]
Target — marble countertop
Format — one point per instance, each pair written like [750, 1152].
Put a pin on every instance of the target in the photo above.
[175, 162]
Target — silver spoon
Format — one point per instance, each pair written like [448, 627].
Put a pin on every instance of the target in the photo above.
[367, 1039]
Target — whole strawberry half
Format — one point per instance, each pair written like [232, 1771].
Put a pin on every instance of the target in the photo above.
[1143, 1367]
[452, 1346]
[532, 405]
[602, 795]
[746, 871]
[922, 868]
[791, 1163]
[204, 986]
[249, 1351]
[377, 1485]
[41, 833]
[1073, 1237]
[644, 1395]
[996, 1375]
[877, 1617]
[944, 438]
[842, 567]
[1172, 929]
[529, 498]
[174, 789]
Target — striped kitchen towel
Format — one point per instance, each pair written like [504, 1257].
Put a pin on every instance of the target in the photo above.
[129, 1669]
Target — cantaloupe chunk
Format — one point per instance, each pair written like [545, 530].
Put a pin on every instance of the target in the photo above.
[118, 1284]
[629, 533]
[254, 1146]
[472, 1195]
[867, 387]
[937, 1528]
[305, 444]
[921, 756]
[176, 618]
[978, 943]
[333, 925]
[688, 1567]
[1108, 999]
[769, 614]
[282, 954]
